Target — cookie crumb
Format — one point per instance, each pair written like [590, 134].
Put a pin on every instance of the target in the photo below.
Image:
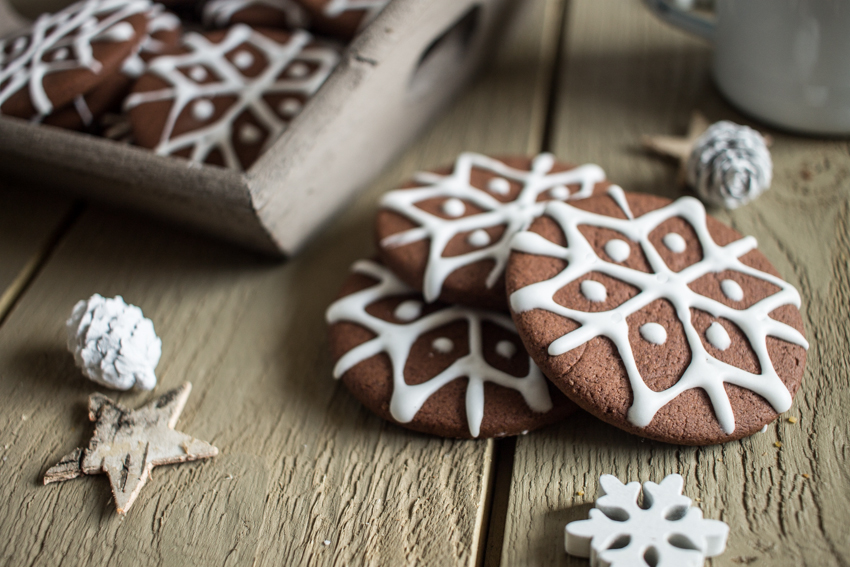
[326, 542]
[697, 499]
[805, 476]
[24, 418]
[778, 444]
[580, 493]
[792, 419]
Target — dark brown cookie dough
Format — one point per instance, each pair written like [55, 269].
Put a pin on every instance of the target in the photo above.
[594, 374]
[429, 340]
[500, 193]
[67, 54]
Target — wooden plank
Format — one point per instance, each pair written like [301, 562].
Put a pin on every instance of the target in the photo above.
[301, 462]
[626, 74]
[29, 222]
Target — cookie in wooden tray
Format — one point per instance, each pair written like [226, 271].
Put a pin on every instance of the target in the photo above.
[342, 18]
[657, 318]
[162, 36]
[227, 96]
[442, 369]
[448, 232]
[67, 54]
[278, 14]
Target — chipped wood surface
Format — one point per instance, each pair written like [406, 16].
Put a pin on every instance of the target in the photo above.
[785, 493]
[305, 475]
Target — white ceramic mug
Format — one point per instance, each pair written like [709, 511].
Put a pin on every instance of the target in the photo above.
[785, 62]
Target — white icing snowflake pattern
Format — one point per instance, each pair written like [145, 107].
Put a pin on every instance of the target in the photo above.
[62, 42]
[457, 189]
[665, 532]
[218, 12]
[190, 91]
[396, 340]
[704, 371]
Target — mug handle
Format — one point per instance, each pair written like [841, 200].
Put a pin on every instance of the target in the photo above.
[681, 19]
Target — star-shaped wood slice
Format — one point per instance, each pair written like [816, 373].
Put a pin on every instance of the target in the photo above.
[127, 444]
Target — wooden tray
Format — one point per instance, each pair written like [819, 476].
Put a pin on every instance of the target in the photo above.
[393, 79]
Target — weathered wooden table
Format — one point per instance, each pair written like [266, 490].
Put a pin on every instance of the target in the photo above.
[306, 475]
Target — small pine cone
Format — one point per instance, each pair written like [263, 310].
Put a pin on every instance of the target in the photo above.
[729, 165]
[113, 343]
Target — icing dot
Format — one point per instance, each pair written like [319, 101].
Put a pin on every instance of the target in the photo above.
[732, 290]
[499, 186]
[478, 238]
[594, 291]
[408, 310]
[198, 74]
[454, 208]
[60, 54]
[717, 336]
[289, 106]
[618, 250]
[123, 31]
[203, 109]
[298, 70]
[505, 349]
[243, 59]
[675, 242]
[443, 345]
[560, 192]
[653, 333]
[250, 134]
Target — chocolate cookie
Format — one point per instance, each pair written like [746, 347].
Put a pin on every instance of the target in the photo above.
[228, 95]
[657, 318]
[67, 54]
[163, 35]
[278, 14]
[448, 233]
[447, 370]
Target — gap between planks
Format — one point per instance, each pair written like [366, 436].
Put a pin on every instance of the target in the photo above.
[16, 289]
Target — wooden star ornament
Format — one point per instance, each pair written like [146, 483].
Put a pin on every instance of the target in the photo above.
[127, 444]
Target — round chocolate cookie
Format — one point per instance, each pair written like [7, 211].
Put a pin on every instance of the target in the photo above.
[447, 370]
[67, 54]
[278, 14]
[228, 95]
[657, 318]
[163, 35]
[448, 233]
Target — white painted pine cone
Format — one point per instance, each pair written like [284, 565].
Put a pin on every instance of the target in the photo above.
[113, 343]
[730, 165]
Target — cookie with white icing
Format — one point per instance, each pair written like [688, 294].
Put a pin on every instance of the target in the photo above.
[341, 18]
[67, 54]
[278, 14]
[448, 233]
[657, 318]
[446, 370]
[227, 95]
[162, 36]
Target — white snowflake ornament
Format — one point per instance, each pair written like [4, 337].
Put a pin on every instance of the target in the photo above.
[665, 532]
[113, 343]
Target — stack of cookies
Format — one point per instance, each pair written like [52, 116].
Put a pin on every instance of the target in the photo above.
[510, 292]
[220, 94]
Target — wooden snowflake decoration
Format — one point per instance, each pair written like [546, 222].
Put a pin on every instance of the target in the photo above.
[665, 532]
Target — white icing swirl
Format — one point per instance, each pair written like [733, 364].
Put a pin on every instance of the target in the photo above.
[653, 333]
[717, 336]
[618, 250]
[732, 290]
